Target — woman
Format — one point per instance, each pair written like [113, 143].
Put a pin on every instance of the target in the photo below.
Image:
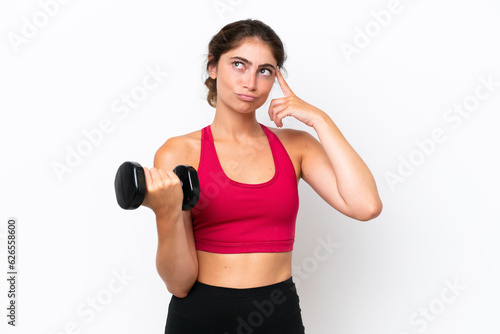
[228, 261]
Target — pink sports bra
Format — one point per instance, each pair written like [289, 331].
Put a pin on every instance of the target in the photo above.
[233, 217]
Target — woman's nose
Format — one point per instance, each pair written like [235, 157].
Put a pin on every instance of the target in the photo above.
[249, 80]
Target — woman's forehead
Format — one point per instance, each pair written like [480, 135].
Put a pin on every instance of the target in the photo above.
[254, 50]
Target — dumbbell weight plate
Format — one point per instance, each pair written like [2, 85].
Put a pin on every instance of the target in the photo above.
[130, 185]
[190, 185]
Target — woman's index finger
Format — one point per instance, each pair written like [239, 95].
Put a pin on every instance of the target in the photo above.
[283, 84]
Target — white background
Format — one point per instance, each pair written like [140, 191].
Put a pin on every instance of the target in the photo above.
[439, 226]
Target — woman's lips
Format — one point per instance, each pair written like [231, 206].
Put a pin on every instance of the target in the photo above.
[245, 97]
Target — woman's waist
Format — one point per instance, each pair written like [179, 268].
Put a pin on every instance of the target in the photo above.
[244, 270]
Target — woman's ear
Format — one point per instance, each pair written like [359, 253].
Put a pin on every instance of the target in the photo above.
[212, 69]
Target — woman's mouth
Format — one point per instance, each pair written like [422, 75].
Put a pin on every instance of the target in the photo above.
[245, 97]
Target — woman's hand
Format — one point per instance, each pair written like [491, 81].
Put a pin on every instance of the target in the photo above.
[164, 192]
[291, 105]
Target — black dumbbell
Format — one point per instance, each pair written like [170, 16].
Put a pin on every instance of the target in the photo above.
[130, 185]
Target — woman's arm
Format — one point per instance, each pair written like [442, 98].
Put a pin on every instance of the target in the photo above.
[338, 174]
[176, 258]
[332, 167]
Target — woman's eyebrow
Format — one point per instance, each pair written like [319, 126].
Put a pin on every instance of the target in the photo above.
[246, 61]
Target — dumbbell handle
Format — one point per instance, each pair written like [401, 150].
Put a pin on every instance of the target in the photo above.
[130, 185]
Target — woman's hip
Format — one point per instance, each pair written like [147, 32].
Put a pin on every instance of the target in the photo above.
[210, 309]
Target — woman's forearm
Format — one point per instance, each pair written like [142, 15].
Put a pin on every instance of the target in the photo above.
[355, 182]
[175, 262]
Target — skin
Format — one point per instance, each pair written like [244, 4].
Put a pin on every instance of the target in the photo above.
[330, 166]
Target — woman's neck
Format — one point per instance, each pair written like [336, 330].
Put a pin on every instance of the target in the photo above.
[232, 125]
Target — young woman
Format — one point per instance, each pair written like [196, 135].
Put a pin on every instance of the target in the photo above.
[228, 261]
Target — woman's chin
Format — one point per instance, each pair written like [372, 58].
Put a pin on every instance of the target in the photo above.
[248, 107]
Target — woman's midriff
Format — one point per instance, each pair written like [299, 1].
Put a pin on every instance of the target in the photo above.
[246, 270]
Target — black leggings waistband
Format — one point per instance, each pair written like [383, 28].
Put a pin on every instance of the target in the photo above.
[244, 292]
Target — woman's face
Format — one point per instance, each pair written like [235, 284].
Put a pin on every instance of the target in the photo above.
[245, 76]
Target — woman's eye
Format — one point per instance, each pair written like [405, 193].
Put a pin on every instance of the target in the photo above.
[265, 71]
[238, 64]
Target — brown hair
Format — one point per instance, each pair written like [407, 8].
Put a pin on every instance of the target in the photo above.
[230, 36]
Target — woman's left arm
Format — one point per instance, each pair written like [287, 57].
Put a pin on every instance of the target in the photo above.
[332, 167]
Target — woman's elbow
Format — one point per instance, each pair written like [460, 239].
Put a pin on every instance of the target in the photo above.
[369, 212]
[372, 211]
[180, 291]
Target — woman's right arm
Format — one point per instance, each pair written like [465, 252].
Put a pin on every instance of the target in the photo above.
[175, 261]
[176, 258]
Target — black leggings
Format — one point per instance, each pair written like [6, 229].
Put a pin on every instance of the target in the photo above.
[210, 309]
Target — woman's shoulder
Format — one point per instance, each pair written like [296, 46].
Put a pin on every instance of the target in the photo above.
[297, 143]
[180, 150]
[292, 137]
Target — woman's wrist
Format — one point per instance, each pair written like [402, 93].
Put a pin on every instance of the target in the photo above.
[321, 118]
[168, 216]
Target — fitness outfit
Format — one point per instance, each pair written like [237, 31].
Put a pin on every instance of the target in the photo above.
[232, 217]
